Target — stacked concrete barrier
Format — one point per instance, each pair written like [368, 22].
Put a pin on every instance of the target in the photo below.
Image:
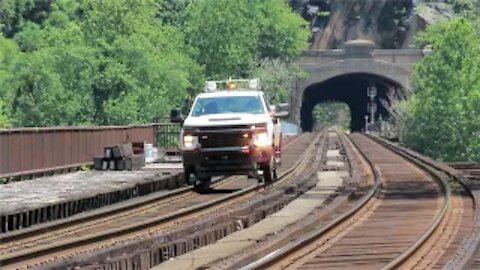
[127, 156]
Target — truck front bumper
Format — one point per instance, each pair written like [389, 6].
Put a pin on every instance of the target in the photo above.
[226, 161]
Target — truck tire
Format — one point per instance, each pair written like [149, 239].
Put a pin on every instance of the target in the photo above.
[267, 175]
[269, 172]
[203, 184]
[187, 174]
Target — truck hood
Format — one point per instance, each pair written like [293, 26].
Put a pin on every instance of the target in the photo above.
[226, 119]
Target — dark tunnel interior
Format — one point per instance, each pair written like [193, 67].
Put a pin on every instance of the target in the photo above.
[352, 90]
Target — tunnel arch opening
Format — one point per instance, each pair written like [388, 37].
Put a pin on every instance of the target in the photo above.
[351, 89]
[331, 114]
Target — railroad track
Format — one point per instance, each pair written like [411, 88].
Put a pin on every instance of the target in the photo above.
[341, 180]
[467, 255]
[459, 241]
[66, 240]
[412, 217]
[470, 170]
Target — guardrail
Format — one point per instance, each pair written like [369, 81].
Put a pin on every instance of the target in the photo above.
[35, 150]
[167, 136]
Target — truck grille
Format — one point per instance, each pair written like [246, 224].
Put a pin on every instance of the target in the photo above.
[217, 140]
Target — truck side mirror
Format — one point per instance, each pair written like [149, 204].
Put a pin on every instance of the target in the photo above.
[283, 107]
[273, 113]
[272, 110]
[282, 111]
[176, 116]
[281, 114]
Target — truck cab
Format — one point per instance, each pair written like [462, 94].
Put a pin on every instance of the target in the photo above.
[230, 130]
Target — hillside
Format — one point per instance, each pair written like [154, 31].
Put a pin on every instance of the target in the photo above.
[390, 24]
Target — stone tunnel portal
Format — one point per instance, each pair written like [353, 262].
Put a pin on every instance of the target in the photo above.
[352, 90]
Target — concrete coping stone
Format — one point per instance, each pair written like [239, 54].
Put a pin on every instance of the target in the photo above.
[333, 153]
[25, 195]
[339, 164]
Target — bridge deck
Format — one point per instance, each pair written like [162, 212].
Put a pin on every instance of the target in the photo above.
[19, 196]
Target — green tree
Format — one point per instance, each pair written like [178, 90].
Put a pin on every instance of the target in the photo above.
[173, 12]
[284, 34]
[50, 83]
[8, 57]
[14, 14]
[445, 110]
[4, 119]
[231, 37]
[70, 62]
[330, 114]
[142, 69]
[277, 78]
[224, 35]
[465, 6]
[100, 62]
[39, 97]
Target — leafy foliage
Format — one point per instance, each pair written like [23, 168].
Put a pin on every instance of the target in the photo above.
[99, 62]
[444, 117]
[332, 114]
[224, 35]
[231, 36]
[4, 120]
[14, 14]
[141, 63]
[8, 56]
[283, 34]
[468, 7]
[88, 62]
[277, 78]
[173, 12]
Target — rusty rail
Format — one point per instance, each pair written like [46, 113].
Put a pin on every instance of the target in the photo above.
[268, 260]
[445, 186]
[299, 164]
[278, 255]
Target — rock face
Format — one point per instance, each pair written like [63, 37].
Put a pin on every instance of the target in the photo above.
[386, 22]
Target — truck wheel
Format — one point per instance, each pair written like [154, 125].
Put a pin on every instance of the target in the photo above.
[187, 174]
[269, 172]
[203, 185]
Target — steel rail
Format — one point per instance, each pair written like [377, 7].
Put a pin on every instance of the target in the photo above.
[16, 257]
[440, 215]
[105, 211]
[467, 251]
[279, 254]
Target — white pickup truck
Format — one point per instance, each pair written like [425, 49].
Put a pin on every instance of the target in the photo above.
[230, 130]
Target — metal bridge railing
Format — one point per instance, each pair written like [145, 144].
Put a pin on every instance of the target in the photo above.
[167, 137]
[33, 150]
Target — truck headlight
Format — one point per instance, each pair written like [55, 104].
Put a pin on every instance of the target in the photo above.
[190, 141]
[262, 139]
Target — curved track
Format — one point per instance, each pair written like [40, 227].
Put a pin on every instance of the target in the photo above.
[157, 216]
[400, 211]
[344, 179]
[400, 223]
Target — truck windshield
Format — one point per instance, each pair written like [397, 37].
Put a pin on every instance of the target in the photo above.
[235, 104]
